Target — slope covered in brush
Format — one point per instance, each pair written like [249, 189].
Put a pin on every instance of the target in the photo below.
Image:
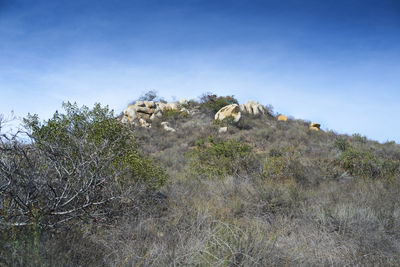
[267, 190]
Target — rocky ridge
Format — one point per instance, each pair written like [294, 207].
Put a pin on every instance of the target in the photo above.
[142, 113]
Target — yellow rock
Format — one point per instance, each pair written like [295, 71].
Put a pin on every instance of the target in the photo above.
[315, 126]
[282, 118]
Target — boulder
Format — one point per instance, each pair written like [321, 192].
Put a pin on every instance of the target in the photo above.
[150, 104]
[315, 126]
[167, 127]
[144, 116]
[183, 102]
[129, 114]
[144, 123]
[162, 106]
[147, 104]
[282, 118]
[146, 110]
[172, 106]
[157, 113]
[139, 103]
[223, 130]
[253, 107]
[185, 110]
[168, 106]
[232, 110]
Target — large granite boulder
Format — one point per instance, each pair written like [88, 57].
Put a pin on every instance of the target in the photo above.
[229, 111]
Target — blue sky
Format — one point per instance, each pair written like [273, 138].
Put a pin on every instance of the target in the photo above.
[334, 62]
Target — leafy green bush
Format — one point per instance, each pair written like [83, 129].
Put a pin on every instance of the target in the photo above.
[219, 157]
[366, 164]
[77, 164]
[213, 103]
[284, 163]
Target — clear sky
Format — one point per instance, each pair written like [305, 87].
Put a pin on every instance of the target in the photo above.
[335, 62]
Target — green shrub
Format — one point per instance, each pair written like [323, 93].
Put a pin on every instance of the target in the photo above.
[341, 144]
[219, 157]
[213, 103]
[77, 164]
[367, 165]
[225, 122]
[284, 163]
[191, 104]
[359, 138]
[174, 114]
[245, 123]
[21, 247]
[359, 163]
[80, 127]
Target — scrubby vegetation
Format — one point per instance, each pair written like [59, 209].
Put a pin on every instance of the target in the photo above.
[219, 158]
[84, 189]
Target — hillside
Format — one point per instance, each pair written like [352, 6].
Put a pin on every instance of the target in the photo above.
[188, 192]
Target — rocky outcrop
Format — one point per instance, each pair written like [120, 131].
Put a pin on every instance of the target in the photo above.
[252, 107]
[315, 126]
[141, 113]
[282, 118]
[229, 111]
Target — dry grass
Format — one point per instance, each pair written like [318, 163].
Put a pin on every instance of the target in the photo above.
[240, 222]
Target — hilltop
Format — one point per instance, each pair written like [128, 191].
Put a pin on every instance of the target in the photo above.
[189, 184]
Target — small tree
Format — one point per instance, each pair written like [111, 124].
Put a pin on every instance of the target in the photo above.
[151, 95]
[212, 103]
[73, 166]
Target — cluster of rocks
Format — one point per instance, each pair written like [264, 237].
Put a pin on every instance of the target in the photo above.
[252, 107]
[142, 113]
[235, 111]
